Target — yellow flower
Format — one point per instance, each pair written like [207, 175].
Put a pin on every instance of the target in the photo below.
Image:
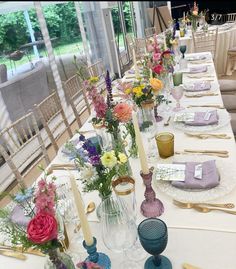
[122, 157]
[156, 85]
[138, 91]
[109, 159]
[128, 91]
[94, 79]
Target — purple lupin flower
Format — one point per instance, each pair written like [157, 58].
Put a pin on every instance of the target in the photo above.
[109, 90]
[95, 160]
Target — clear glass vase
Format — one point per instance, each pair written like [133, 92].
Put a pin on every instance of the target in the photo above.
[58, 260]
[104, 138]
[99, 207]
[146, 116]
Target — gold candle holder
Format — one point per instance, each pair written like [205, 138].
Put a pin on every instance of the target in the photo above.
[165, 144]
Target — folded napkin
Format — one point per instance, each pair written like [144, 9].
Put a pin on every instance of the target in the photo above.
[18, 216]
[210, 177]
[201, 120]
[198, 86]
[198, 69]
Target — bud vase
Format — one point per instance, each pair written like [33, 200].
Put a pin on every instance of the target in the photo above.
[58, 260]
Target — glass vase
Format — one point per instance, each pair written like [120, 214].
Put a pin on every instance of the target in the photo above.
[99, 207]
[104, 138]
[194, 24]
[58, 260]
[146, 116]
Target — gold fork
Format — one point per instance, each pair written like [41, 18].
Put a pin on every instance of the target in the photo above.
[188, 205]
[204, 209]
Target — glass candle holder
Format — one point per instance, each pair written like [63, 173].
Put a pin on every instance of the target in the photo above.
[165, 144]
[178, 78]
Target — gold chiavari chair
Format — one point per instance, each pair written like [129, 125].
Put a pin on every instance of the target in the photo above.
[131, 43]
[205, 41]
[53, 118]
[77, 98]
[140, 47]
[21, 146]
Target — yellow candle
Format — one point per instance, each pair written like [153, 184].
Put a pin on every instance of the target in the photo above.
[80, 209]
[135, 64]
[184, 15]
[139, 142]
[151, 73]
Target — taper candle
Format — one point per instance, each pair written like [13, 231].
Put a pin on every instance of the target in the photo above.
[135, 64]
[165, 47]
[139, 142]
[88, 238]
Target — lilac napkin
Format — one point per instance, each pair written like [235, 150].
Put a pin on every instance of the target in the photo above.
[199, 86]
[18, 216]
[200, 121]
[198, 69]
[210, 177]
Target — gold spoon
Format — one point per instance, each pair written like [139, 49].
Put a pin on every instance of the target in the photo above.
[189, 266]
[90, 208]
[13, 254]
[192, 205]
[207, 209]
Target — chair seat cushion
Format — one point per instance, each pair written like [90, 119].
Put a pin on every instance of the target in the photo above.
[233, 122]
[229, 101]
[227, 85]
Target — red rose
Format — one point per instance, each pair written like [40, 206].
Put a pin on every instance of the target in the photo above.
[158, 69]
[42, 228]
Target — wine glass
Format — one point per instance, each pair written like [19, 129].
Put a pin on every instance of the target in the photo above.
[177, 93]
[153, 236]
[119, 231]
[183, 49]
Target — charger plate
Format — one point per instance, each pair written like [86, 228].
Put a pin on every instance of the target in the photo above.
[227, 181]
[224, 119]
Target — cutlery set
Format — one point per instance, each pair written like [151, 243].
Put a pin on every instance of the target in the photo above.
[219, 153]
[197, 95]
[211, 105]
[208, 135]
[206, 207]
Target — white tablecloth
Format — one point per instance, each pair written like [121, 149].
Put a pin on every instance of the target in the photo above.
[226, 40]
[205, 240]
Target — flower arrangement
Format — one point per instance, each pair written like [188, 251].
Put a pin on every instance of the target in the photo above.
[98, 168]
[195, 15]
[33, 222]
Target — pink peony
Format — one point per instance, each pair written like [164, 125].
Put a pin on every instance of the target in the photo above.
[123, 112]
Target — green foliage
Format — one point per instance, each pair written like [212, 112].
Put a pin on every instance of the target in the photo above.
[14, 33]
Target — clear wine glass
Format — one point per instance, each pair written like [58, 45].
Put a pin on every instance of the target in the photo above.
[177, 93]
[119, 231]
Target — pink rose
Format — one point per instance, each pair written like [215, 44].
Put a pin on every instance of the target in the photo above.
[42, 228]
[150, 48]
[123, 112]
[158, 69]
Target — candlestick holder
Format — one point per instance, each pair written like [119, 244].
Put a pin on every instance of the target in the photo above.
[151, 207]
[97, 257]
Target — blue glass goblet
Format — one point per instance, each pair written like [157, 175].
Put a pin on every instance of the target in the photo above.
[183, 49]
[153, 237]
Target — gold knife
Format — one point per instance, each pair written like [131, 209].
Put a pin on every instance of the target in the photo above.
[13, 254]
[20, 250]
[207, 151]
[189, 266]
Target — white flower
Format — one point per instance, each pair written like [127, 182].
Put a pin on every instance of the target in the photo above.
[88, 172]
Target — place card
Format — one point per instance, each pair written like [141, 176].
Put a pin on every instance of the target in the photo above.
[170, 172]
[184, 117]
[198, 171]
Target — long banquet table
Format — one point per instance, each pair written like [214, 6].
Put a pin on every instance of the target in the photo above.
[226, 40]
[206, 240]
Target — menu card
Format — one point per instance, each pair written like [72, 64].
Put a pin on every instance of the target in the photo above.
[170, 172]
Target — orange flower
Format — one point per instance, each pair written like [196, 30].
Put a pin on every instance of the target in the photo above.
[156, 85]
[123, 112]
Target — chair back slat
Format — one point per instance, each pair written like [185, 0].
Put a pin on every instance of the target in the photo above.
[21, 145]
[51, 113]
[76, 95]
[206, 41]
